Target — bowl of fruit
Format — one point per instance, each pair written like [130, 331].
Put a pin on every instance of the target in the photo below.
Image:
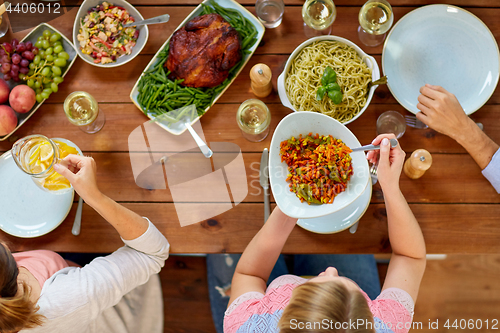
[30, 71]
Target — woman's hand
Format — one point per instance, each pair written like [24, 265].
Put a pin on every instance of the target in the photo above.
[390, 162]
[441, 111]
[81, 173]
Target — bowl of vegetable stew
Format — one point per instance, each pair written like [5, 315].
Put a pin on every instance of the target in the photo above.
[303, 123]
[102, 42]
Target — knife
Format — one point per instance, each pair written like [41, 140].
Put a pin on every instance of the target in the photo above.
[264, 181]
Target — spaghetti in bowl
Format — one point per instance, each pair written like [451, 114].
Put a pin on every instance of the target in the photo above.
[301, 78]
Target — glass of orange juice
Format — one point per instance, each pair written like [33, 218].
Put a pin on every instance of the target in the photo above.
[36, 155]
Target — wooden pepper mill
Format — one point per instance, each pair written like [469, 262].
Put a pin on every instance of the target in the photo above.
[418, 163]
[261, 75]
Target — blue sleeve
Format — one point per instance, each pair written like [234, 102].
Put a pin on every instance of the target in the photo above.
[492, 171]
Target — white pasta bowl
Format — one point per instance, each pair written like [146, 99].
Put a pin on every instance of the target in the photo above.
[303, 123]
[140, 43]
[368, 60]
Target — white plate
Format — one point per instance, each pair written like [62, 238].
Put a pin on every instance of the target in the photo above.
[342, 219]
[140, 43]
[232, 4]
[26, 210]
[441, 45]
[369, 61]
[303, 123]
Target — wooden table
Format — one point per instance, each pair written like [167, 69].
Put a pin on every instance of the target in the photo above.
[457, 208]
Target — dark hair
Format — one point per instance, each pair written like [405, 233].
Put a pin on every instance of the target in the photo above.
[17, 311]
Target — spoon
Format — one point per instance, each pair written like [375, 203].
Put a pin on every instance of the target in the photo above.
[154, 20]
[394, 143]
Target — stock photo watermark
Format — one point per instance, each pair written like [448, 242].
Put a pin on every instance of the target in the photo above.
[163, 154]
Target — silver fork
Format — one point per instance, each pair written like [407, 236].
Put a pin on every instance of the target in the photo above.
[373, 174]
[414, 122]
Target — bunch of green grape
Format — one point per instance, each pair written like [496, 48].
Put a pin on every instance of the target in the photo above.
[46, 70]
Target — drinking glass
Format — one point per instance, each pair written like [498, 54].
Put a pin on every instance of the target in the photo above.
[318, 17]
[391, 122]
[270, 12]
[253, 118]
[36, 156]
[82, 110]
[4, 25]
[375, 19]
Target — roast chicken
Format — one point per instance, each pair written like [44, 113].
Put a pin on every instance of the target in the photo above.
[203, 51]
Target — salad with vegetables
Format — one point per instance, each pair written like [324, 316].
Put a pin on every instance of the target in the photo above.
[102, 35]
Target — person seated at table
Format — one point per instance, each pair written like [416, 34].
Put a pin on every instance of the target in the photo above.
[345, 296]
[120, 292]
[441, 111]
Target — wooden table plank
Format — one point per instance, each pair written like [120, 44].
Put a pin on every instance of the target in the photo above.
[114, 86]
[283, 39]
[219, 125]
[116, 179]
[338, 3]
[447, 228]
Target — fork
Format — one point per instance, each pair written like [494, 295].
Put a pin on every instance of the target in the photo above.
[414, 122]
[373, 173]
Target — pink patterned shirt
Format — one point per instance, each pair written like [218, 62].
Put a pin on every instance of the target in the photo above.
[255, 312]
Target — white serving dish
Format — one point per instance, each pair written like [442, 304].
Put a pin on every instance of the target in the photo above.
[303, 123]
[342, 219]
[32, 36]
[141, 41]
[369, 61]
[26, 210]
[196, 12]
[441, 45]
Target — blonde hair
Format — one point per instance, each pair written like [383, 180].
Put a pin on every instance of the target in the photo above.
[325, 302]
[17, 311]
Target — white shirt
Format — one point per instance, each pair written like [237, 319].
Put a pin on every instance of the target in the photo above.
[117, 293]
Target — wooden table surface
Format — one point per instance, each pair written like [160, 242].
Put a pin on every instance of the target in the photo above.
[457, 208]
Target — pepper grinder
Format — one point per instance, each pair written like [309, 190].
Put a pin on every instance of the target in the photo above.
[260, 76]
[418, 163]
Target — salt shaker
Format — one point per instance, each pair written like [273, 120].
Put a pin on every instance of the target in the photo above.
[419, 162]
[261, 75]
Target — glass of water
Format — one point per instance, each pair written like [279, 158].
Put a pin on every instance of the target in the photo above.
[270, 12]
[391, 122]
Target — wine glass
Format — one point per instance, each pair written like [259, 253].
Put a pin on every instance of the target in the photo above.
[82, 110]
[375, 19]
[318, 17]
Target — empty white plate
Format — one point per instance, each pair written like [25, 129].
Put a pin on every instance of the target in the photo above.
[26, 210]
[441, 45]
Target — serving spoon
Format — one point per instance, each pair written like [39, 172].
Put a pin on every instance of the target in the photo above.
[394, 143]
[154, 20]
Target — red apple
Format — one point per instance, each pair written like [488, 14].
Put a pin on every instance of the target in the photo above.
[8, 120]
[4, 92]
[22, 98]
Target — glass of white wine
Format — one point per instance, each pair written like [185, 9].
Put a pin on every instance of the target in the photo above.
[318, 17]
[82, 110]
[375, 19]
[253, 118]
